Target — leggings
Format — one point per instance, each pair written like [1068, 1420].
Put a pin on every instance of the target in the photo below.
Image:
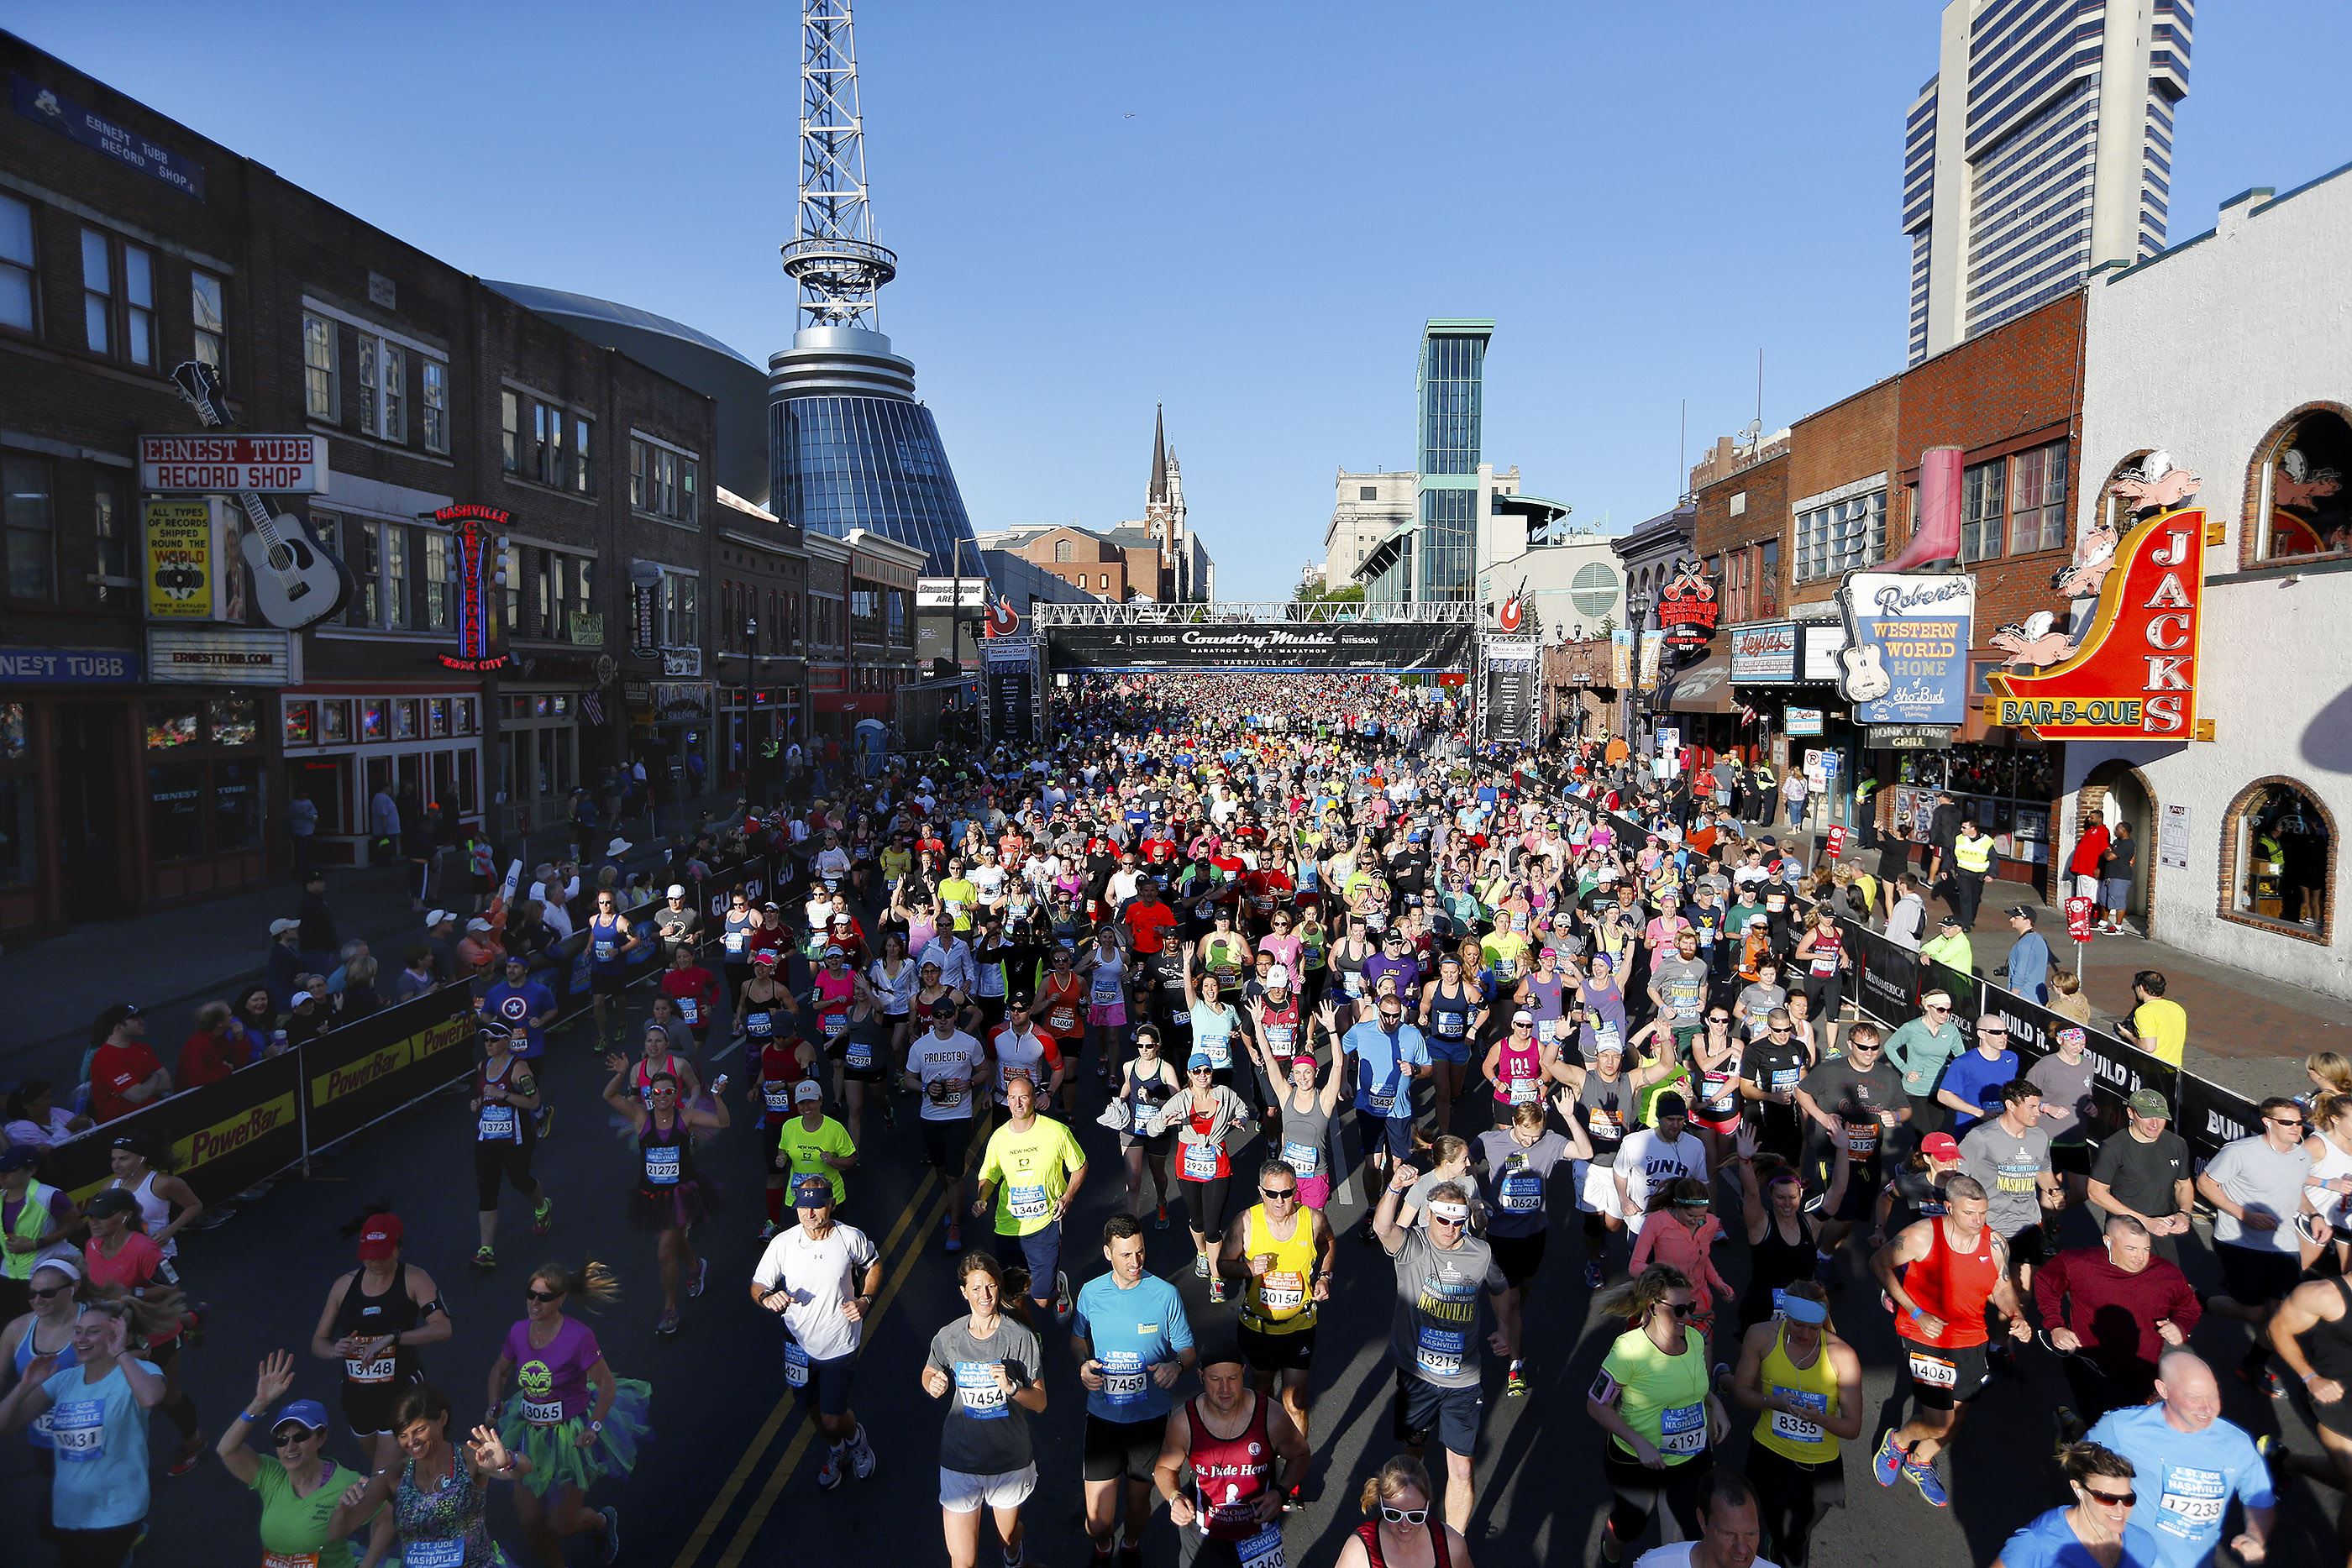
[109, 1548]
[494, 1159]
[1206, 1199]
[1791, 1495]
[1638, 1490]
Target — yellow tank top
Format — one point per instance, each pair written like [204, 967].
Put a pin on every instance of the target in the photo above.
[1281, 1300]
[1791, 1436]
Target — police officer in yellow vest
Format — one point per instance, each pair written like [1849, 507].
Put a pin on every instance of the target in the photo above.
[1971, 865]
[35, 1218]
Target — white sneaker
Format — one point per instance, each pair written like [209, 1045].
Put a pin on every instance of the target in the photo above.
[861, 1455]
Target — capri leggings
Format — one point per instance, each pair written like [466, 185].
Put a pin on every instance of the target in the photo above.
[493, 1160]
[1638, 1490]
[1207, 1201]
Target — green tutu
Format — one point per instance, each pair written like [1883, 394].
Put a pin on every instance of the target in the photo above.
[556, 1457]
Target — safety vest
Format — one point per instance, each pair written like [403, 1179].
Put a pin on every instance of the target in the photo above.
[1975, 855]
[32, 1222]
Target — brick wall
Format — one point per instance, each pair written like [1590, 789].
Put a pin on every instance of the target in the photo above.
[1848, 441]
[1719, 532]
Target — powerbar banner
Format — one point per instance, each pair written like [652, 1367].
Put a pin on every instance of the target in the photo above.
[1259, 647]
[1511, 706]
[1011, 707]
[357, 1073]
[221, 1138]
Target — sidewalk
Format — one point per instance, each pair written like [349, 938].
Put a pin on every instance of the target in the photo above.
[172, 962]
[2246, 1033]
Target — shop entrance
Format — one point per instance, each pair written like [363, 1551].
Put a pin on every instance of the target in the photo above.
[2118, 793]
[91, 852]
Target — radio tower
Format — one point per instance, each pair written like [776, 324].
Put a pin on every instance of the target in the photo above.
[833, 256]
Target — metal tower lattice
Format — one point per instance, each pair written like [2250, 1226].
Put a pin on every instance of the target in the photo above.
[833, 256]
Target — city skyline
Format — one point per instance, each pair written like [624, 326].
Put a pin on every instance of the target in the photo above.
[1265, 276]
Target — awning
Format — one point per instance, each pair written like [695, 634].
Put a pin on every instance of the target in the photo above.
[1703, 687]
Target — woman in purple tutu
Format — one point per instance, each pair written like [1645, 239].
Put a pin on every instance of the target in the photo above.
[672, 1194]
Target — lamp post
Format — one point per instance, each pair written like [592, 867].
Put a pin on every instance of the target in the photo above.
[752, 707]
[1637, 617]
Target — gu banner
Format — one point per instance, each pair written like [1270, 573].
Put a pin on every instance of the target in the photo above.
[1262, 646]
[1511, 705]
[1012, 700]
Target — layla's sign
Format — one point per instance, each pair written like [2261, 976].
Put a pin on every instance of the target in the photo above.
[2133, 675]
[469, 527]
[1688, 608]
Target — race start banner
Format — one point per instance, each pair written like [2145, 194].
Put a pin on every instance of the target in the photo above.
[1395, 648]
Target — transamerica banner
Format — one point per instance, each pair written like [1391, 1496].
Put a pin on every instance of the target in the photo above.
[1396, 648]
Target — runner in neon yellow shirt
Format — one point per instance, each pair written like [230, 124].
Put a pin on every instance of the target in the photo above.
[1030, 1176]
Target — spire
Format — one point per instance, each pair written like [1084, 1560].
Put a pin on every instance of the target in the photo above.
[1157, 490]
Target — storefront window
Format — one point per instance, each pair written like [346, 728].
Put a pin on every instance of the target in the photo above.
[2299, 496]
[14, 742]
[375, 719]
[403, 719]
[2006, 790]
[237, 805]
[19, 847]
[175, 809]
[171, 725]
[2277, 841]
[467, 724]
[301, 722]
[437, 716]
[335, 722]
[236, 721]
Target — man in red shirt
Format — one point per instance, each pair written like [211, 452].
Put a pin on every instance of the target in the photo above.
[2082, 865]
[2114, 1311]
[214, 1050]
[1146, 919]
[123, 1073]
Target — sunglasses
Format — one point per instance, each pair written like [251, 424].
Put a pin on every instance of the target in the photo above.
[2112, 1498]
[1682, 1308]
[51, 1291]
[543, 1295]
[1279, 1193]
[1404, 1515]
[2284, 1121]
[293, 1438]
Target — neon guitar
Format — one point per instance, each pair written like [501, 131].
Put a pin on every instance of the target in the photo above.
[295, 582]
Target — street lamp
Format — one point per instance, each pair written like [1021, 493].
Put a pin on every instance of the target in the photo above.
[1637, 616]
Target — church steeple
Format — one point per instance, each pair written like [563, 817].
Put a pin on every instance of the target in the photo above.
[1157, 489]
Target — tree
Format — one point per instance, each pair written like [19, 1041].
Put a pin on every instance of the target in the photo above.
[1314, 592]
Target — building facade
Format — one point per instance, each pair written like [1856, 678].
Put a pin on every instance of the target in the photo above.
[1365, 509]
[2042, 148]
[2214, 353]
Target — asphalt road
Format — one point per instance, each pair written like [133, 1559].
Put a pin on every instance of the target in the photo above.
[727, 1478]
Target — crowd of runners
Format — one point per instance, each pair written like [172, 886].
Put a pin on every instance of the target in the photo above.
[1360, 1005]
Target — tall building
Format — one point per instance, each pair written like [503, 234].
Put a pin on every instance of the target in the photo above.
[1365, 509]
[1186, 574]
[851, 446]
[2042, 148]
[1449, 398]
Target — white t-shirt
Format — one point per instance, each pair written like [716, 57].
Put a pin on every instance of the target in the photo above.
[1648, 1162]
[823, 1276]
[1679, 1555]
[1017, 1052]
[938, 1061]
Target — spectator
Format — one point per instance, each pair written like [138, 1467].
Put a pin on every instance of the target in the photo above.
[585, 820]
[318, 941]
[34, 1120]
[478, 949]
[310, 1016]
[352, 951]
[123, 1073]
[2029, 957]
[421, 847]
[440, 939]
[284, 965]
[2157, 1026]
[383, 825]
[2115, 865]
[216, 1049]
[1950, 947]
[417, 978]
[302, 827]
[1906, 913]
[2066, 997]
[2113, 1311]
[2082, 865]
[360, 996]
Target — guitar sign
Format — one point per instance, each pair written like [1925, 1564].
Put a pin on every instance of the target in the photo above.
[296, 581]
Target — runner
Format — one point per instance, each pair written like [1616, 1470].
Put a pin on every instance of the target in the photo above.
[1147, 1082]
[813, 1144]
[1522, 1062]
[945, 1065]
[1061, 1015]
[2009, 1155]
[992, 1369]
[1202, 1116]
[2092, 1531]
[1805, 1385]
[1241, 1450]
[610, 942]
[2188, 1463]
[566, 1439]
[1283, 1253]
[1515, 1169]
[2312, 1332]
[1655, 1399]
[1441, 1269]
[505, 1108]
[1029, 1176]
[821, 1277]
[158, 1193]
[1730, 1526]
[1303, 1111]
[1383, 1055]
[1452, 1013]
[438, 1492]
[1132, 1343]
[375, 1320]
[672, 1195]
[2256, 1185]
[1854, 1102]
[1401, 1533]
[1104, 969]
[97, 1412]
[298, 1485]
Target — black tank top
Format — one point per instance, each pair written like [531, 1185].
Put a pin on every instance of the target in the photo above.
[392, 1313]
[668, 1158]
[2328, 1346]
[1774, 1264]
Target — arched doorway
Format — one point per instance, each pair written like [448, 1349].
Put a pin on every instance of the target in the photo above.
[2117, 792]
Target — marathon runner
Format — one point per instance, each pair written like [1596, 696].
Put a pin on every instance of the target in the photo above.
[1133, 1342]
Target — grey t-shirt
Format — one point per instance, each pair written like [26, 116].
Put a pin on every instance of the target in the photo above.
[2257, 1178]
[2065, 1096]
[2008, 1166]
[1682, 983]
[1434, 1335]
[1759, 999]
[1515, 1179]
[986, 1434]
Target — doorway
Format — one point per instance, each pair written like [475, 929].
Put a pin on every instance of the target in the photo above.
[88, 742]
[2115, 792]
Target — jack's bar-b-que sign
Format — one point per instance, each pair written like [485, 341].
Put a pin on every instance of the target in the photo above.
[1261, 647]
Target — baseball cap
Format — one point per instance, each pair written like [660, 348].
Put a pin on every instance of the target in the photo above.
[477, 923]
[280, 928]
[113, 1200]
[807, 1091]
[1199, 1060]
[2018, 912]
[20, 1158]
[1940, 1146]
[1949, 920]
[381, 1236]
[677, 890]
[306, 1413]
[767, 956]
[943, 1009]
[835, 950]
[437, 917]
[2147, 1102]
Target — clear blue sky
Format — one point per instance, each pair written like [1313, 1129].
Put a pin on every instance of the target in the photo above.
[1642, 195]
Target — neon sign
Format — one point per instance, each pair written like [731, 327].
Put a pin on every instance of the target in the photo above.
[470, 525]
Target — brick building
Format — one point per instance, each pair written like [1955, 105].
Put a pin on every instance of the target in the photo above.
[1109, 566]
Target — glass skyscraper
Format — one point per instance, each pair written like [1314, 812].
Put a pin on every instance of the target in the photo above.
[1449, 394]
[853, 449]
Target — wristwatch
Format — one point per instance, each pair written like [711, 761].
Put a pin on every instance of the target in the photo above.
[595, 1426]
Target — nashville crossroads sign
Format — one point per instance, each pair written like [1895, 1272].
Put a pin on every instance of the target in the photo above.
[2133, 676]
[1258, 645]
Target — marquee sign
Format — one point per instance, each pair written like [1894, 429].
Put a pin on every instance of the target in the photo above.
[2133, 674]
[471, 526]
[1688, 608]
[1338, 645]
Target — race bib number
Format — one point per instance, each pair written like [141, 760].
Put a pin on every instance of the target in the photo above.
[690, 1009]
[1263, 1550]
[1354, 980]
[1124, 1377]
[796, 1365]
[1452, 1025]
[1063, 1021]
[1933, 1370]
[1784, 1079]
[79, 1428]
[1278, 1036]
[1681, 1429]
[433, 1553]
[496, 1125]
[1438, 1353]
[290, 1559]
[858, 1057]
[2193, 1500]
[543, 1412]
[606, 947]
[1200, 1162]
[662, 1166]
[978, 1391]
[736, 943]
[380, 1370]
[1305, 1159]
[836, 1025]
[1282, 1291]
[1798, 1428]
[1522, 1192]
[776, 1096]
[1028, 1203]
[759, 1025]
[1548, 1031]
[1521, 1092]
[1106, 991]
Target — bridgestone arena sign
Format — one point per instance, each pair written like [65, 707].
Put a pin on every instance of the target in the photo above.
[1395, 648]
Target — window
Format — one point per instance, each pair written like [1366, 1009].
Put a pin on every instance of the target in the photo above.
[1594, 591]
[1106, 581]
[206, 309]
[96, 291]
[435, 381]
[16, 269]
[1840, 536]
[2296, 499]
[369, 376]
[396, 394]
[662, 481]
[510, 424]
[2037, 505]
[138, 305]
[1064, 551]
[681, 625]
[111, 523]
[1368, 493]
[440, 574]
[1983, 515]
[28, 521]
[584, 476]
[2277, 842]
[546, 444]
[397, 576]
[321, 399]
[384, 388]
[639, 454]
[510, 587]
[204, 782]
[1767, 577]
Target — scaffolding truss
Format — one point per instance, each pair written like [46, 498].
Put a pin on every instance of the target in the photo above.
[1282, 612]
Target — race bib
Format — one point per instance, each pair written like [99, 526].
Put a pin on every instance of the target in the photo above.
[1438, 1353]
[1784, 1079]
[79, 1428]
[496, 1125]
[1452, 1025]
[1278, 1036]
[1062, 1019]
[290, 1559]
[605, 946]
[543, 1412]
[1305, 1159]
[1263, 1550]
[796, 1365]
[1124, 1377]
[836, 1025]
[759, 1025]
[1215, 1049]
[1547, 1029]
[1933, 1370]
[977, 1390]
[735, 943]
[1282, 1291]
[776, 1096]
[433, 1553]
[1681, 1429]
[2193, 1500]
[1521, 1092]
[1200, 1162]
[1028, 1203]
[1797, 1429]
[662, 1166]
[380, 1370]
[690, 1009]
[858, 1057]
[1522, 1192]
[1106, 991]
[1354, 982]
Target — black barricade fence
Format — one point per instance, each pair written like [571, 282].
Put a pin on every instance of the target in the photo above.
[364, 1070]
[2210, 1115]
[1886, 980]
[221, 1138]
[2118, 1066]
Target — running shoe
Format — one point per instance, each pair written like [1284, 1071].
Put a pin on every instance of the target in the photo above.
[955, 1237]
[2264, 1378]
[1131, 1554]
[1200, 1265]
[1295, 1499]
[192, 1453]
[1591, 1275]
[612, 1533]
[1162, 1223]
[828, 1474]
[485, 1257]
[1217, 1289]
[768, 1231]
[1515, 1385]
[668, 1322]
[861, 1455]
[546, 1120]
[701, 1277]
[1012, 1558]
[1063, 1307]
[1888, 1461]
[543, 1217]
[1930, 1484]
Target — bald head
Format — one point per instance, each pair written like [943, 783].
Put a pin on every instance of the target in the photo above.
[2186, 1385]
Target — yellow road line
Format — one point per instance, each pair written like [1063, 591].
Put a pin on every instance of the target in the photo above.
[748, 1530]
[784, 1407]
